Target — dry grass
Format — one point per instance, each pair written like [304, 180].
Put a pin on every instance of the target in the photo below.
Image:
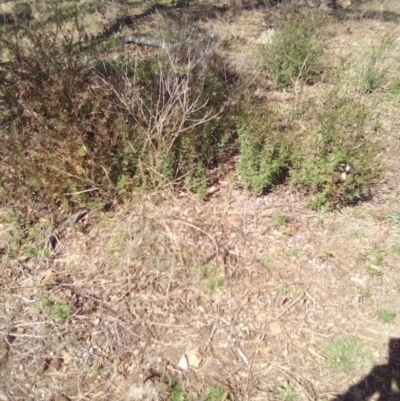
[255, 296]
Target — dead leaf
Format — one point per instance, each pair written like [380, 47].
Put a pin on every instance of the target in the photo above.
[194, 357]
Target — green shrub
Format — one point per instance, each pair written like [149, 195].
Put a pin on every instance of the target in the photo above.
[264, 150]
[295, 51]
[336, 162]
[90, 128]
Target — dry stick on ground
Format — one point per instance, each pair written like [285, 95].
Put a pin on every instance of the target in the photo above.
[294, 302]
[256, 345]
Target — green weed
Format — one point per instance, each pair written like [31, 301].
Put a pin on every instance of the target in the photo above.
[373, 74]
[176, 392]
[287, 392]
[374, 271]
[336, 161]
[387, 315]
[394, 217]
[58, 310]
[327, 254]
[395, 248]
[263, 150]
[291, 253]
[365, 292]
[212, 278]
[378, 256]
[295, 52]
[347, 355]
[285, 288]
[266, 260]
[96, 371]
[215, 394]
[280, 219]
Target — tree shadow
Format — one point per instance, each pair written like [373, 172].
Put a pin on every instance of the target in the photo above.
[382, 383]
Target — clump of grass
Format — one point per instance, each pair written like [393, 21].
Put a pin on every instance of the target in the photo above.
[365, 292]
[387, 315]
[214, 281]
[280, 219]
[295, 52]
[96, 371]
[394, 217]
[373, 73]
[395, 248]
[287, 392]
[347, 355]
[57, 310]
[327, 254]
[215, 393]
[291, 253]
[374, 271]
[176, 392]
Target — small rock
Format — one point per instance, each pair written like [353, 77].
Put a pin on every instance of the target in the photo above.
[145, 392]
[344, 3]
[266, 37]
[183, 363]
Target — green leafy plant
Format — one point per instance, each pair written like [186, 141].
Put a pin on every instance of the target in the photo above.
[58, 310]
[176, 392]
[215, 393]
[96, 371]
[395, 248]
[365, 292]
[327, 254]
[394, 217]
[295, 51]
[347, 355]
[291, 253]
[280, 219]
[285, 288]
[387, 315]
[264, 150]
[336, 161]
[374, 271]
[214, 280]
[287, 392]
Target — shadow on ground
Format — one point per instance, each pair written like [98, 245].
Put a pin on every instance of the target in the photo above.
[382, 383]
